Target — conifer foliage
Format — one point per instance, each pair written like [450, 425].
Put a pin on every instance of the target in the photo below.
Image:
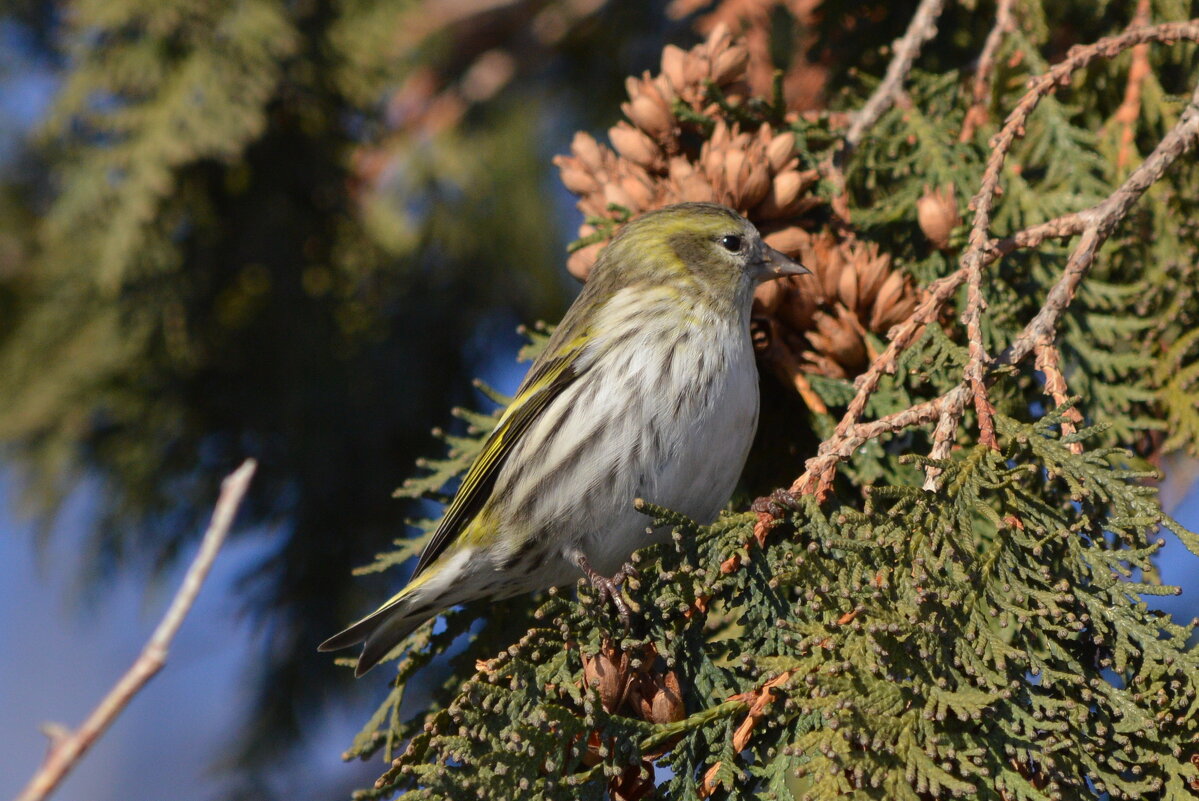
[950, 597]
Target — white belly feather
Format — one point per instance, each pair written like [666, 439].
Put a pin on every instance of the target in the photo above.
[672, 425]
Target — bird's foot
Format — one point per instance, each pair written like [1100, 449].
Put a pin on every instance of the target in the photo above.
[627, 571]
[776, 504]
[609, 588]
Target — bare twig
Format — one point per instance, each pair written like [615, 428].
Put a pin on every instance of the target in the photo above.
[758, 700]
[974, 259]
[1058, 228]
[837, 449]
[977, 114]
[981, 250]
[975, 372]
[922, 28]
[1101, 219]
[67, 748]
[1049, 362]
[947, 426]
[817, 476]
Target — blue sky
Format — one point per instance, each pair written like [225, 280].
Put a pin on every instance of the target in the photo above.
[63, 651]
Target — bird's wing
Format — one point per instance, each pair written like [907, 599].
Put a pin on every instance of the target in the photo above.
[545, 381]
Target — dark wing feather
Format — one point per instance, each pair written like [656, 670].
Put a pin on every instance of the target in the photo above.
[545, 381]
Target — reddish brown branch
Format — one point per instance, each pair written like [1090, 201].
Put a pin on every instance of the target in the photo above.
[819, 469]
[1049, 362]
[975, 372]
[1058, 228]
[975, 257]
[69, 747]
[1041, 87]
[1095, 225]
[837, 449]
[758, 701]
[947, 426]
[977, 114]
[1100, 220]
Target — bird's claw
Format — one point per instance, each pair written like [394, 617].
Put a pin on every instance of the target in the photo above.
[776, 504]
[609, 588]
[627, 571]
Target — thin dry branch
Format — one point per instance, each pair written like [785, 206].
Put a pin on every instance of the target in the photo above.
[68, 747]
[1049, 362]
[975, 257]
[947, 426]
[1098, 223]
[922, 28]
[976, 366]
[977, 114]
[981, 250]
[759, 700]
[1058, 228]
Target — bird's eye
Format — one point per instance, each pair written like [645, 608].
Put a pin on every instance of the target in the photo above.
[731, 243]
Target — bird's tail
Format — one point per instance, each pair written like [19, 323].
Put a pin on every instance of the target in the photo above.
[380, 631]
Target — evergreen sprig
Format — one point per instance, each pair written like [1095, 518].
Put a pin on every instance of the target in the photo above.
[988, 640]
[959, 611]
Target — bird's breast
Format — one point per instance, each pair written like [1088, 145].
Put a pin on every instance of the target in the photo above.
[665, 410]
[687, 397]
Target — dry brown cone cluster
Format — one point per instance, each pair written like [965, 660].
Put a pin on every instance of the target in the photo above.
[805, 80]
[628, 685]
[804, 325]
[756, 172]
[818, 324]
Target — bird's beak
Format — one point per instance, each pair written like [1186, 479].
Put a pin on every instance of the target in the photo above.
[774, 265]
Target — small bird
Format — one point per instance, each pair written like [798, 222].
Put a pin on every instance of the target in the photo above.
[647, 389]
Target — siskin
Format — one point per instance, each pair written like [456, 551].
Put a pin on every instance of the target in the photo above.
[647, 389]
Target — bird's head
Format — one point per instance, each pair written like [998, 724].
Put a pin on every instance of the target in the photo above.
[705, 245]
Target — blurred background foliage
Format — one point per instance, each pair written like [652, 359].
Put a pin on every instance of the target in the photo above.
[291, 230]
[295, 230]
